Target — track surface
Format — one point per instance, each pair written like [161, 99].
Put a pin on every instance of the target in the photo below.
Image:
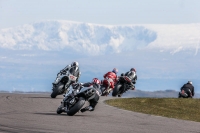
[36, 113]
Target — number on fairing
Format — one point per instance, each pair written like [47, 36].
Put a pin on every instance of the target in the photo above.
[73, 78]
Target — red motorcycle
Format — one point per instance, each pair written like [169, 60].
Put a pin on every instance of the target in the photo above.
[107, 85]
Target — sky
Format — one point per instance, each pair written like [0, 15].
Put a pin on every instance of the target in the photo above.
[172, 25]
[14, 13]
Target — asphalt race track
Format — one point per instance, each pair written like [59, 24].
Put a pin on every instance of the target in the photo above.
[36, 113]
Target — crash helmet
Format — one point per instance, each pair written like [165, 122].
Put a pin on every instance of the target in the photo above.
[96, 80]
[190, 82]
[133, 69]
[115, 70]
[74, 64]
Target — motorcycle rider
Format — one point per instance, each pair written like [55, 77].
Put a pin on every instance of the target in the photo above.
[74, 74]
[132, 76]
[190, 87]
[112, 78]
[73, 69]
[92, 102]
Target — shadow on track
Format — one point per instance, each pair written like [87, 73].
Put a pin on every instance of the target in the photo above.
[53, 114]
[40, 97]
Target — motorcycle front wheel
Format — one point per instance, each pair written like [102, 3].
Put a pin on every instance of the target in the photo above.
[57, 90]
[78, 105]
[59, 110]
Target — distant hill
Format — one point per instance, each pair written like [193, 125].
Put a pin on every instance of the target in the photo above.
[131, 93]
[157, 94]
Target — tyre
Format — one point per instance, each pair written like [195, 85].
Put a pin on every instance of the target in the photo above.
[57, 90]
[72, 111]
[59, 110]
[179, 96]
[116, 90]
[54, 94]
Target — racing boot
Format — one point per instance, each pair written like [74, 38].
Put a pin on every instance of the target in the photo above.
[87, 108]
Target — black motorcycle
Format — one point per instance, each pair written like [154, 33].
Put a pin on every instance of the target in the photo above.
[62, 83]
[185, 93]
[122, 85]
[74, 101]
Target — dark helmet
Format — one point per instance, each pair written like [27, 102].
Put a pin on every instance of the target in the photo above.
[133, 69]
[74, 64]
[115, 70]
[96, 80]
[190, 82]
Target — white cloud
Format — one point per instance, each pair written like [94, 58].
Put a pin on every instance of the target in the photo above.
[100, 39]
[116, 42]
[172, 37]
[176, 50]
[28, 55]
[197, 49]
[89, 38]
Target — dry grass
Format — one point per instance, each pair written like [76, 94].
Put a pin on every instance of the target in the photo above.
[179, 108]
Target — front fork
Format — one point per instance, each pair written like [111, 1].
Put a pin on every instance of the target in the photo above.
[63, 106]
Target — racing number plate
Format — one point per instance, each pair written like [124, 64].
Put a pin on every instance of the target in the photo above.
[72, 78]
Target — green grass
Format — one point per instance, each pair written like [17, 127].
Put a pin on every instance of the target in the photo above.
[179, 108]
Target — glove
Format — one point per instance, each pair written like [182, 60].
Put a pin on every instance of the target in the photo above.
[62, 71]
[75, 85]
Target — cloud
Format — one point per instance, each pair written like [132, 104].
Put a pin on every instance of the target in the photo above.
[93, 39]
[3, 57]
[87, 38]
[176, 50]
[197, 49]
[36, 52]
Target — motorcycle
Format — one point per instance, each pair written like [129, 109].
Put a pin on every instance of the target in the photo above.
[122, 85]
[62, 83]
[106, 86]
[73, 102]
[185, 93]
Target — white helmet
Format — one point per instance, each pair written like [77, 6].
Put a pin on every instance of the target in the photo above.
[190, 82]
[74, 64]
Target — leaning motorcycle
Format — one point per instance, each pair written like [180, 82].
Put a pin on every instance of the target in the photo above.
[185, 93]
[62, 83]
[74, 101]
[122, 85]
[106, 86]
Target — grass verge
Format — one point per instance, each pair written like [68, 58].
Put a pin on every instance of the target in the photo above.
[179, 108]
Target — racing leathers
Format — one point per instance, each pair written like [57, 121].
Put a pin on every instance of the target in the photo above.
[133, 77]
[190, 87]
[112, 79]
[74, 70]
[92, 102]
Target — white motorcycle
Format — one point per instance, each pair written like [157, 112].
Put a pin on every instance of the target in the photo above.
[62, 83]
